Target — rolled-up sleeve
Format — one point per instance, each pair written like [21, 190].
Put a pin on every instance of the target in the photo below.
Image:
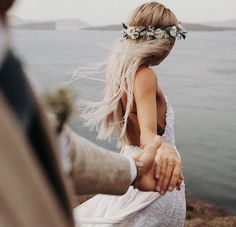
[94, 169]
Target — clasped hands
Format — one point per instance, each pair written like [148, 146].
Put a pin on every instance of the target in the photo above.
[162, 168]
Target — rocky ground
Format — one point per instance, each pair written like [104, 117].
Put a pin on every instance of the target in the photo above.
[199, 214]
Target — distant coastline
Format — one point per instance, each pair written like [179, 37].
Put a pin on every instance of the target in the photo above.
[60, 24]
[76, 24]
[188, 26]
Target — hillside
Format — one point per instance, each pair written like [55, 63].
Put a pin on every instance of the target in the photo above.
[76, 24]
[227, 23]
[61, 24]
[71, 24]
[15, 21]
[36, 26]
[188, 26]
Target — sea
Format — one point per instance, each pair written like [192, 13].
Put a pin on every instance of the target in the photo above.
[199, 78]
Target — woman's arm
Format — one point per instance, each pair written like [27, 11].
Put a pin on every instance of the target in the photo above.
[145, 89]
[169, 166]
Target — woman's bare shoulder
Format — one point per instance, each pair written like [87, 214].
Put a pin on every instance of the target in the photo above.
[146, 78]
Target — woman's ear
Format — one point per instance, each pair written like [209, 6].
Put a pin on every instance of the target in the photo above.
[5, 5]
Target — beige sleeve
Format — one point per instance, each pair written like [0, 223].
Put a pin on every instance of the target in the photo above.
[95, 169]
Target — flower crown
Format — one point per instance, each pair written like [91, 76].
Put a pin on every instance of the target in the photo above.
[151, 33]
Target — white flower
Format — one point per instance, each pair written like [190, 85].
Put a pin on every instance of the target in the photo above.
[179, 36]
[166, 35]
[173, 31]
[134, 35]
[130, 30]
[180, 26]
[150, 33]
[159, 33]
[181, 31]
[143, 33]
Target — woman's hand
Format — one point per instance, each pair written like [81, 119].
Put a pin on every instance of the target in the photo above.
[169, 169]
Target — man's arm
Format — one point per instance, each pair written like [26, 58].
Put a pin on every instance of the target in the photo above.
[95, 169]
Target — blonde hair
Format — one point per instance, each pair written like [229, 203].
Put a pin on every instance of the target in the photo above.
[126, 58]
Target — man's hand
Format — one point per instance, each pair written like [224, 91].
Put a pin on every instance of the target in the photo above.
[147, 158]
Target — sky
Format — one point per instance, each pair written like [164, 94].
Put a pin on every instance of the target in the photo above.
[104, 12]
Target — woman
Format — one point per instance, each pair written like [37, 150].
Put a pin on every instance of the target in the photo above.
[136, 108]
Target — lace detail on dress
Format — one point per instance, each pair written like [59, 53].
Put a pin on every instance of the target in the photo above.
[169, 135]
[166, 211]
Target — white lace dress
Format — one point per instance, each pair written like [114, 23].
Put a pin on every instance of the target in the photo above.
[136, 208]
